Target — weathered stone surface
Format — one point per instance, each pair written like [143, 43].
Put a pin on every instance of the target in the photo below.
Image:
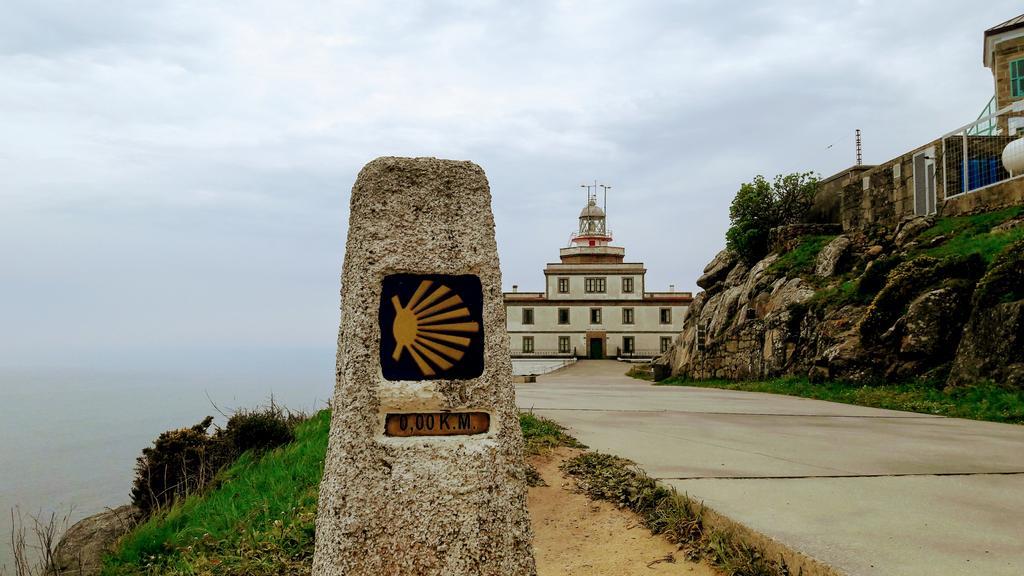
[81, 549]
[874, 251]
[992, 347]
[452, 505]
[1007, 226]
[717, 269]
[737, 275]
[909, 229]
[832, 257]
[932, 324]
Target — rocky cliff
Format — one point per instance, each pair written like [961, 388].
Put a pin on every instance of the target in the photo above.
[942, 301]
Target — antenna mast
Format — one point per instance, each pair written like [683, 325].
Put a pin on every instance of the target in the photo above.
[859, 162]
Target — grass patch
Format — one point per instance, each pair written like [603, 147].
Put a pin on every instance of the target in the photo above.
[258, 520]
[641, 372]
[542, 434]
[972, 234]
[664, 511]
[258, 517]
[979, 402]
[801, 260]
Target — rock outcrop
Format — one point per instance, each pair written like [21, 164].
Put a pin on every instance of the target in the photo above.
[871, 309]
[992, 347]
[81, 549]
[832, 257]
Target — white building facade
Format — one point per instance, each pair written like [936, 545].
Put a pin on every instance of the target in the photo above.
[594, 304]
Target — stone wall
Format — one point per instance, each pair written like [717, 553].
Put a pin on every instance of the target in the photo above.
[1002, 195]
[884, 195]
[786, 238]
[827, 199]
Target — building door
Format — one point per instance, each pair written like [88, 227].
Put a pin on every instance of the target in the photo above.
[596, 348]
[924, 182]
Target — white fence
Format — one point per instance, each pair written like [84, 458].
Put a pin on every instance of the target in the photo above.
[983, 153]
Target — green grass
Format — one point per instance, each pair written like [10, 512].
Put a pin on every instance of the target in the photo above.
[979, 402]
[541, 434]
[800, 260]
[258, 519]
[972, 234]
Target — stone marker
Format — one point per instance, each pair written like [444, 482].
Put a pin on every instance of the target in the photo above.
[424, 472]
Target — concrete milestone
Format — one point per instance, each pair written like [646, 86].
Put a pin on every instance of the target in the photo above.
[424, 472]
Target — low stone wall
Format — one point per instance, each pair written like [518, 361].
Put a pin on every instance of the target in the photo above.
[785, 238]
[827, 205]
[995, 197]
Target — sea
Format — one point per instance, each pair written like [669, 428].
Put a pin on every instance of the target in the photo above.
[69, 436]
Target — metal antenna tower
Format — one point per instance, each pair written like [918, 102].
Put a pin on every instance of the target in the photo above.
[859, 161]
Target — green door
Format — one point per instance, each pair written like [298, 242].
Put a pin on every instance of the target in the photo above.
[597, 348]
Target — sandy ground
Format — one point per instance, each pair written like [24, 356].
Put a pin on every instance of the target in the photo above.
[576, 536]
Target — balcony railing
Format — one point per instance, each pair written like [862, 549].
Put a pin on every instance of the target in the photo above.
[543, 354]
[639, 353]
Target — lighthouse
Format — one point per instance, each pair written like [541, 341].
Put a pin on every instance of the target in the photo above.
[595, 304]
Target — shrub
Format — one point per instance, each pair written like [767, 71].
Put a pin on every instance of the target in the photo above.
[259, 430]
[760, 206]
[183, 462]
[179, 463]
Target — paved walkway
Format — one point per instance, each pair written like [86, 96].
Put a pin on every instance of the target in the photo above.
[864, 490]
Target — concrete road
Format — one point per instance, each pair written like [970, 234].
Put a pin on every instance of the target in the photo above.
[864, 490]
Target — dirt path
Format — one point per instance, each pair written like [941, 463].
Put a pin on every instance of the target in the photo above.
[576, 536]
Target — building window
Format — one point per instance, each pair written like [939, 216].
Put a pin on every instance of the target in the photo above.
[627, 345]
[595, 315]
[527, 344]
[563, 285]
[527, 315]
[563, 345]
[666, 315]
[563, 315]
[627, 285]
[627, 315]
[666, 343]
[594, 285]
[1017, 78]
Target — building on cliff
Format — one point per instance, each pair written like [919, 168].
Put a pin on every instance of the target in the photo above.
[978, 167]
[594, 304]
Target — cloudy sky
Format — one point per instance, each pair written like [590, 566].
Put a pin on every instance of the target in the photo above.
[176, 174]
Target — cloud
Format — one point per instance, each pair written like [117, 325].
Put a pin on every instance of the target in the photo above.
[177, 173]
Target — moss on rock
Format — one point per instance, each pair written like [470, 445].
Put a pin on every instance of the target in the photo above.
[907, 281]
[1004, 281]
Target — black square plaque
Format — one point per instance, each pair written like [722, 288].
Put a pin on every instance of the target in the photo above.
[431, 327]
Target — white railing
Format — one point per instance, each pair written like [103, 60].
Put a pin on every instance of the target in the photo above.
[985, 152]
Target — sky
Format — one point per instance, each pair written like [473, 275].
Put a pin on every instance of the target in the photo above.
[176, 175]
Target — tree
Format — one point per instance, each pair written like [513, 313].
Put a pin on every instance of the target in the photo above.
[760, 206]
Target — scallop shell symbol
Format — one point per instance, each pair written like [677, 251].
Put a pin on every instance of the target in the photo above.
[422, 328]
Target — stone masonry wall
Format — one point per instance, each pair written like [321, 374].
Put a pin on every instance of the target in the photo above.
[884, 195]
[1002, 195]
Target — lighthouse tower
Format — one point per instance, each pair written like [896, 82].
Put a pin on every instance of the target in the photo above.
[591, 243]
[594, 305]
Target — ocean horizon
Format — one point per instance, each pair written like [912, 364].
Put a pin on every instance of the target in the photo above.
[71, 434]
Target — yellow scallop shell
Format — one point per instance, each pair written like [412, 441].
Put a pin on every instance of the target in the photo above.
[424, 328]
